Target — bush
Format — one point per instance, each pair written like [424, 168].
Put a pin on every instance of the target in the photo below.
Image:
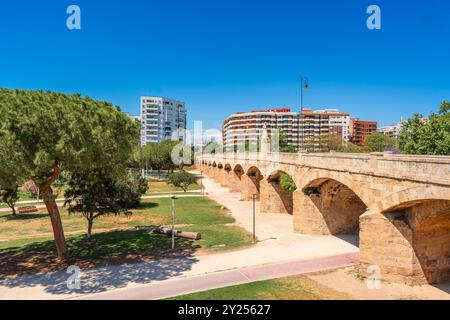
[287, 183]
[181, 179]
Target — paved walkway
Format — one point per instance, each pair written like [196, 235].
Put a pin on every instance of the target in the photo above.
[277, 245]
[220, 279]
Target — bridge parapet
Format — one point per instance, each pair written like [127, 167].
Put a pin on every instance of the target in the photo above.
[424, 169]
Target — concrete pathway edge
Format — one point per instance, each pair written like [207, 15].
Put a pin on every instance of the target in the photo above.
[220, 279]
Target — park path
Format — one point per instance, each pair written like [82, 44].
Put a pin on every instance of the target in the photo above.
[278, 249]
[236, 276]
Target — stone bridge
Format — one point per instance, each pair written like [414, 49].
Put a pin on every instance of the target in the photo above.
[400, 205]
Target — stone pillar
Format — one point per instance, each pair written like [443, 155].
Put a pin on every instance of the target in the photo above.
[222, 178]
[213, 173]
[231, 181]
[234, 182]
[274, 199]
[307, 217]
[265, 143]
[386, 244]
[248, 187]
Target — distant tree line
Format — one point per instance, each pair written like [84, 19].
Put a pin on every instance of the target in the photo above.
[429, 136]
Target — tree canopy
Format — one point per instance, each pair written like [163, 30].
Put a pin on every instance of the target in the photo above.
[158, 156]
[284, 144]
[287, 183]
[95, 193]
[427, 136]
[378, 142]
[47, 133]
[182, 179]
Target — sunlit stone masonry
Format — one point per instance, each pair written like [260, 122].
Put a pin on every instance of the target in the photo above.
[400, 205]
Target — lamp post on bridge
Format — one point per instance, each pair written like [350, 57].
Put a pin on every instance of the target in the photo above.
[305, 86]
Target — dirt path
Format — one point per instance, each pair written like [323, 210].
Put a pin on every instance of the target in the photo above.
[345, 281]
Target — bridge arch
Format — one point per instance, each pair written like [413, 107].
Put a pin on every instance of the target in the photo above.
[250, 183]
[415, 237]
[238, 170]
[413, 194]
[327, 206]
[312, 177]
[274, 199]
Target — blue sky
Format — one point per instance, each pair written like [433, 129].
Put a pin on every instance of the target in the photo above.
[235, 55]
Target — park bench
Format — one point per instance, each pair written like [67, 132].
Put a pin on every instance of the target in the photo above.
[29, 209]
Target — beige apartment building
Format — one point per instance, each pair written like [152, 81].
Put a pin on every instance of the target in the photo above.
[303, 129]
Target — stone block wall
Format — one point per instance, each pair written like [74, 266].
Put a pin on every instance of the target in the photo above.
[334, 210]
[274, 199]
[385, 242]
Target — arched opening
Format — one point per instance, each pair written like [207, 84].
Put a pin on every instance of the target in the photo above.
[234, 177]
[239, 171]
[422, 237]
[255, 176]
[214, 164]
[277, 193]
[326, 206]
[250, 184]
[220, 166]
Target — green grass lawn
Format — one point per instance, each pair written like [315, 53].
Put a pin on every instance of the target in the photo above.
[161, 187]
[26, 241]
[290, 288]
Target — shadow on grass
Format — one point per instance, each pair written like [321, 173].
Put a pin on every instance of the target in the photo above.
[147, 205]
[112, 260]
[26, 216]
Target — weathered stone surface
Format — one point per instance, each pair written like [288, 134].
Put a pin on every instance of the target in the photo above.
[401, 203]
[274, 199]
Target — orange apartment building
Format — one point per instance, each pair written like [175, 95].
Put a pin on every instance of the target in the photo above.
[360, 129]
[301, 128]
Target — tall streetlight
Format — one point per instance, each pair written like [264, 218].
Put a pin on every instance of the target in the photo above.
[305, 86]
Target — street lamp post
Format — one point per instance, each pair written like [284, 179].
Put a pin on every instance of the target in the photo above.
[173, 221]
[305, 86]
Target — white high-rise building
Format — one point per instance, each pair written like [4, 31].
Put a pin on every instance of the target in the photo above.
[162, 119]
[393, 130]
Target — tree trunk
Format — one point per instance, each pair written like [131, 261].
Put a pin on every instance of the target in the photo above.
[55, 218]
[89, 233]
[12, 206]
